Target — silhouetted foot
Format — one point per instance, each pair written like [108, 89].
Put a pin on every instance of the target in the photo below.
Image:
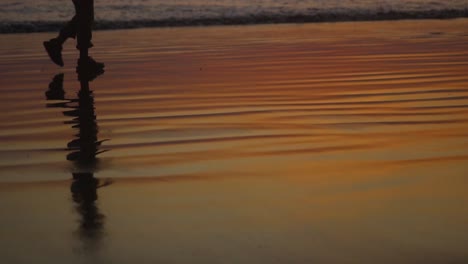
[54, 49]
[88, 69]
[90, 64]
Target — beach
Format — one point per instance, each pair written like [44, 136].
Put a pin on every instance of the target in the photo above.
[289, 143]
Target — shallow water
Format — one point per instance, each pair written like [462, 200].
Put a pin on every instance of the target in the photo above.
[333, 143]
[47, 15]
[118, 10]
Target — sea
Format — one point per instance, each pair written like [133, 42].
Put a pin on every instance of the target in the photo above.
[48, 15]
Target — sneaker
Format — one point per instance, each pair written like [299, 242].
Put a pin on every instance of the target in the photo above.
[88, 68]
[54, 49]
[90, 63]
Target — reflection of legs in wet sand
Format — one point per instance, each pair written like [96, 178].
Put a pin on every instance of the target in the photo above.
[86, 146]
[84, 149]
[84, 192]
[56, 91]
[79, 27]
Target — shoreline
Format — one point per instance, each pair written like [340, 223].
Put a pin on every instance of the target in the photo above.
[13, 27]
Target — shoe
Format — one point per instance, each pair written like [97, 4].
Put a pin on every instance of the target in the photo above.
[88, 69]
[54, 49]
[90, 63]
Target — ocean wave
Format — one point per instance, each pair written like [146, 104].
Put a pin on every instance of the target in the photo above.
[262, 18]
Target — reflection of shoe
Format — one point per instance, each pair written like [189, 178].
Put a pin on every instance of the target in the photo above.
[56, 91]
[88, 68]
[54, 49]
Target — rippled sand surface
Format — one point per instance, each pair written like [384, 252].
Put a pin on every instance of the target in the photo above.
[325, 143]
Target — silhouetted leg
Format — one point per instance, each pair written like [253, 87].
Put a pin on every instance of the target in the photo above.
[87, 67]
[70, 29]
[85, 15]
[54, 46]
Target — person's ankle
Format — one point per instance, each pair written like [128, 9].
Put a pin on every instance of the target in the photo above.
[59, 40]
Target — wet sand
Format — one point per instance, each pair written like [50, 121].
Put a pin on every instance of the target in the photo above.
[315, 143]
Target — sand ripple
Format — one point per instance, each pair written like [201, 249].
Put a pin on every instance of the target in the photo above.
[242, 99]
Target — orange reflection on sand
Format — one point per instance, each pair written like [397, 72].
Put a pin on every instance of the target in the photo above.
[263, 144]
